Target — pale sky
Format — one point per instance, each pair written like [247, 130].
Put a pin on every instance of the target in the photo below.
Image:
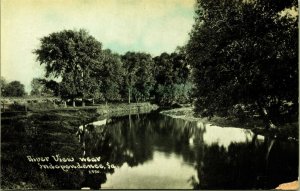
[152, 26]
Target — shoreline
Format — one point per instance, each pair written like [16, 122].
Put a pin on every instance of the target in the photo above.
[288, 131]
[110, 109]
[187, 113]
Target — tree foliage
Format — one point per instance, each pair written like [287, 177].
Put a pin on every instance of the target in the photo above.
[39, 88]
[109, 77]
[36, 87]
[171, 68]
[52, 86]
[138, 75]
[244, 52]
[88, 72]
[3, 84]
[71, 55]
[171, 73]
[14, 89]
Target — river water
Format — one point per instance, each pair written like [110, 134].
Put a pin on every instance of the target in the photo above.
[151, 151]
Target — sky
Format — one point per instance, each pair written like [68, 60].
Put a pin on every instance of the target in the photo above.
[152, 26]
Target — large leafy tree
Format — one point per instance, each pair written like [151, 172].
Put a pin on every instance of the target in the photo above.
[51, 86]
[36, 87]
[245, 52]
[39, 88]
[109, 76]
[172, 75]
[71, 55]
[164, 69]
[14, 89]
[138, 75]
[171, 68]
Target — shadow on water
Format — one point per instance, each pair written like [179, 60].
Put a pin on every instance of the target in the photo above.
[184, 154]
[246, 165]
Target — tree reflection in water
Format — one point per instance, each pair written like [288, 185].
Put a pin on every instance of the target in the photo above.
[246, 165]
[237, 163]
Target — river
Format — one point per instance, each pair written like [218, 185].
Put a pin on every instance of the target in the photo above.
[147, 151]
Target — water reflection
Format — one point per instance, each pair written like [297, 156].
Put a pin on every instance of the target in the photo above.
[245, 166]
[224, 158]
[149, 151]
[227, 135]
[153, 174]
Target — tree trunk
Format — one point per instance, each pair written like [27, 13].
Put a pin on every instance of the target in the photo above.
[129, 95]
[93, 101]
[254, 138]
[269, 124]
[73, 103]
[264, 113]
[270, 143]
[129, 118]
[83, 103]
[135, 98]
[59, 90]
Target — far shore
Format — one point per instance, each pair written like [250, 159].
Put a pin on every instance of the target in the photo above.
[188, 114]
[287, 131]
[47, 105]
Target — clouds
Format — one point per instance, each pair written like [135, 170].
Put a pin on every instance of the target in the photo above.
[152, 26]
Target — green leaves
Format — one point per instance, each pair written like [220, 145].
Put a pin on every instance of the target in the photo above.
[13, 89]
[71, 55]
[241, 52]
[172, 76]
[138, 76]
[109, 74]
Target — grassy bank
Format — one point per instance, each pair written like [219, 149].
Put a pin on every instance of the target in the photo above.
[187, 113]
[110, 109]
[41, 133]
[286, 131]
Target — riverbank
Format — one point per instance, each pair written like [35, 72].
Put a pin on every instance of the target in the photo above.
[111, 109]
[42, 133]
[287, 131]
[187, 113]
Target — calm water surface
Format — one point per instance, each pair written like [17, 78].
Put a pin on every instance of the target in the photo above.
[156, 151]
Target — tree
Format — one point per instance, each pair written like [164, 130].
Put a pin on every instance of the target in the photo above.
[36, 87]
[51, 87]
[138, 75]
[245, 52]
[3, 84]
[109, 76]
[164, 69]
[71, 55]
[14, 89]
[172, 74]
[181, 70]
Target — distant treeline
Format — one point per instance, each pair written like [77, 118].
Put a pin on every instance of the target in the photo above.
[88, 72]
